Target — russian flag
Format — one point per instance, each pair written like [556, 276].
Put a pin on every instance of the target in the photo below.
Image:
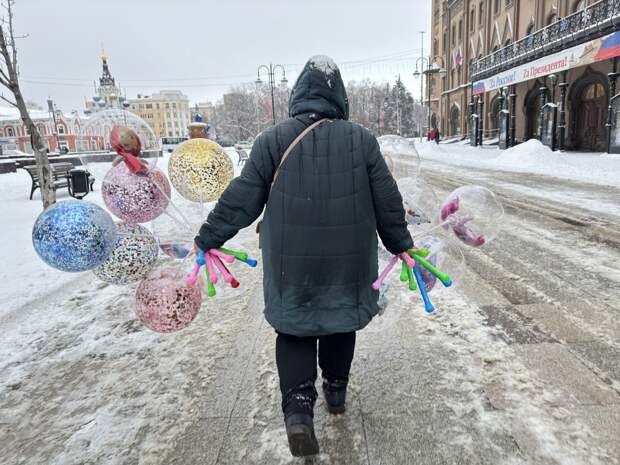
[610, 47]
[458, 60]
[478, 88]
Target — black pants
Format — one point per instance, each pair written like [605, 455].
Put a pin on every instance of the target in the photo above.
[296, 359]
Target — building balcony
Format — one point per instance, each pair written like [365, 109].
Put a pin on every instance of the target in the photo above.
[594, 21]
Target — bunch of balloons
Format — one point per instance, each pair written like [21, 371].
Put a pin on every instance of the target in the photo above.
[81, 236]
[470, 215]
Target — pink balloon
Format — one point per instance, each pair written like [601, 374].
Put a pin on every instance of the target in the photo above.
[165, 303]
[134, 198]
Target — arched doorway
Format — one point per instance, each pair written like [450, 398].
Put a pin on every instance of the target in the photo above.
[493, 116]
[532, 112]
[589, 109]
[455, 120]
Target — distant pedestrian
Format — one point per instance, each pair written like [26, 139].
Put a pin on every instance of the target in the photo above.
[327, 192]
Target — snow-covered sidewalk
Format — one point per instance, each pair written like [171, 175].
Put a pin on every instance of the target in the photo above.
[528, 157]
[506, 372]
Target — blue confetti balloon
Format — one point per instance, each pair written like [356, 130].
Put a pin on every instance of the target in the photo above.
[74, 235]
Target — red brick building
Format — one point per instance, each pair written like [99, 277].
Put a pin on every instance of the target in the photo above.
[63, 131]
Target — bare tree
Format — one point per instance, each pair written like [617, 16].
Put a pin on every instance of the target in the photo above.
[9, 78]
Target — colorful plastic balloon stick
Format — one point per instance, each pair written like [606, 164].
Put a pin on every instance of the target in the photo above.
[443, 277]
[210, 287]
[403, 272]
[377, 284]
[225, 257]
[200, 261]
[411, 279]
[410, 261]
[223, 271]
[210, 268]
[428, 306]
[241, 256]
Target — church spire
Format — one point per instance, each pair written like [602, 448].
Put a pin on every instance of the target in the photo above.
[106, 78]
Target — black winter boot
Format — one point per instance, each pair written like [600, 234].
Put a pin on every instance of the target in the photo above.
[300, 432]
[335, 391]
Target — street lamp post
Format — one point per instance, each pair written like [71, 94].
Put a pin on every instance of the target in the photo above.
[271, 71]
[431, 68]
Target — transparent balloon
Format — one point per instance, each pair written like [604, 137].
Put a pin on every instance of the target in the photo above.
[473, 214]
[200, 170]
[446, 256]
[74, 235]
[135, 198]
[165, 303]
[177, 227]
[421, 204]
[400, 155]
[133, 256]
[96, 130]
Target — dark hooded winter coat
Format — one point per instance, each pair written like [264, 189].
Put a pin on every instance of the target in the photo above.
[319, 232]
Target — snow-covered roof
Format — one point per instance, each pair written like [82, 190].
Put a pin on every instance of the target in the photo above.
[12, 114]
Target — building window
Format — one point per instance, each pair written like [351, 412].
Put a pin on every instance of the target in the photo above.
[461, 29]
[157, 106]
[63, 144]
[167, 105]
[61, 129]
[480, 13]
[443, 43]
[472, 20]
[174, 105]
[10, 132]
[453, 34]
[496, 4]
[149, 106]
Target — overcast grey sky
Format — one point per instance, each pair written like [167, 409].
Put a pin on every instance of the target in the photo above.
[202, 47]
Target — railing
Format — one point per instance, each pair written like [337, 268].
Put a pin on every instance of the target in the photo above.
[593, 21]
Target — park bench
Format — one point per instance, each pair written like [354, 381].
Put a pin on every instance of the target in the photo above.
[243, 156]
[60, 176]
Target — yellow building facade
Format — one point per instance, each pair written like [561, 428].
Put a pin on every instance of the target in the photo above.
[167, 112]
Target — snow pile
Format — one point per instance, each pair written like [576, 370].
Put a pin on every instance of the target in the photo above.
[529, 157]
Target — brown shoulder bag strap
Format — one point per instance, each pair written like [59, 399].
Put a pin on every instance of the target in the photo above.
[290, 148]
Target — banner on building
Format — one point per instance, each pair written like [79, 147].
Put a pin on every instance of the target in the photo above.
[599, 49]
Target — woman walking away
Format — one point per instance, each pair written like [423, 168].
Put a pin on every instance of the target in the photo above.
[327, 192]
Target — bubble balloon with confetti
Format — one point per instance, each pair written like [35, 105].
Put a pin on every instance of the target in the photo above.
[133, 256]
[135, 198]
[165, 303]
[473, 214]
[200, 170]
[400, 155]
[74, 235]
